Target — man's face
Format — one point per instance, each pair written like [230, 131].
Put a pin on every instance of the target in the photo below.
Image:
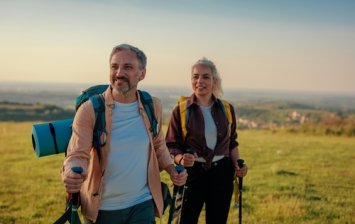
[125, 72]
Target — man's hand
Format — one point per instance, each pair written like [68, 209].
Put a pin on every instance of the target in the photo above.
[178, 179]
[73, 181]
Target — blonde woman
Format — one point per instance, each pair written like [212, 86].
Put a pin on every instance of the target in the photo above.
[211, 136]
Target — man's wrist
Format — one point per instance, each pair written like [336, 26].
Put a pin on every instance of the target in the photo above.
[170, 169]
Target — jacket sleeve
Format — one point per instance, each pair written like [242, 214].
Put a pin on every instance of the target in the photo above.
[233, 136]
[80, 144]
[174, 139]
[162, 152]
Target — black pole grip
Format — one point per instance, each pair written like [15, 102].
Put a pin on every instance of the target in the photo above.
[240, 163]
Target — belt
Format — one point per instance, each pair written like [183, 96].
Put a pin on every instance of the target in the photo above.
[215, 159]
[214, 163]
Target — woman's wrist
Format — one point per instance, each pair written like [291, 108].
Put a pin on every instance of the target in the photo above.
[178, 159]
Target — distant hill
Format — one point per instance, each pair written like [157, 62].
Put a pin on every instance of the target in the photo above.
[11, 111]
[298, 111]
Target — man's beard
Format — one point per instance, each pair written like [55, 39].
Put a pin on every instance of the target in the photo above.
[125, 88]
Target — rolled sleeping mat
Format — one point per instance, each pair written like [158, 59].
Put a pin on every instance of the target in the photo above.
[51, 138]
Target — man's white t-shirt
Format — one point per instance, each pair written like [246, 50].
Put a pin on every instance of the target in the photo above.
[126, 173]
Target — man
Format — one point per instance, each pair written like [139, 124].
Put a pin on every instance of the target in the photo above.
[124, 185]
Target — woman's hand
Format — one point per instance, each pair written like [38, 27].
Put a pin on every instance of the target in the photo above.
[241, 172]
[187, 159]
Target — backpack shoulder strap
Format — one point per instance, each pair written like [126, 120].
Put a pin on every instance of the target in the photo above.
[226, 109]
[148, 105]
[184, 114]
[99, 134]
[98, 102]
[87, 93]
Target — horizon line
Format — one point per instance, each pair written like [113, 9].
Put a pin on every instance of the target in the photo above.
[228, 88]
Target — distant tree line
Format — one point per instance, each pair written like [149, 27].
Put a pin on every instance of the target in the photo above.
[292, 117]
[11, 111]
[296, 117]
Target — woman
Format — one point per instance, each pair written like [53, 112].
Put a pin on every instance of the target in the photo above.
[202, 137]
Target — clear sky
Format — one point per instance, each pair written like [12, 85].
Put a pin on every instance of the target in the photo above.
[273, 45]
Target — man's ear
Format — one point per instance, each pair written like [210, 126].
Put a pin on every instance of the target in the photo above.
[142, 75]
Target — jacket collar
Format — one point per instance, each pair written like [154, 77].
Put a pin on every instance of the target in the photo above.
[193, 100]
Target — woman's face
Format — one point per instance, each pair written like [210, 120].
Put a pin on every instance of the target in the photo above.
[202, 80]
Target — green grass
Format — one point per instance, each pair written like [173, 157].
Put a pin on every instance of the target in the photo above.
[293, 178]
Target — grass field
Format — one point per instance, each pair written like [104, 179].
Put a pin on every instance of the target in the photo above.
[293, 178]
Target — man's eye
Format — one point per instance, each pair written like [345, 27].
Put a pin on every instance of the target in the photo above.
[128, 67]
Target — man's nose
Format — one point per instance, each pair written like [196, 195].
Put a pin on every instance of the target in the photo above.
[199, 79]
[119, 72]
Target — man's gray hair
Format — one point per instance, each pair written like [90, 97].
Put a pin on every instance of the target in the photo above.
[126, 47]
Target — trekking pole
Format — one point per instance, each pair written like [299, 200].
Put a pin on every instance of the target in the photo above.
[184, 189]
[179, 169]
[240, 163]
[71, 211]
[75, 199]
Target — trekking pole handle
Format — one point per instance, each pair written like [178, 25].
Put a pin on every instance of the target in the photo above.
[190, 151]
[77, 169]
[179, 168]
[240, 163]
[75, 196]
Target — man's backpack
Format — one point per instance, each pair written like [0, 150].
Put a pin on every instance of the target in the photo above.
[53, 137]
[185, 112]
[94, 93]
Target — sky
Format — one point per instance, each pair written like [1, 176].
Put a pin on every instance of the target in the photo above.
[302, 45]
